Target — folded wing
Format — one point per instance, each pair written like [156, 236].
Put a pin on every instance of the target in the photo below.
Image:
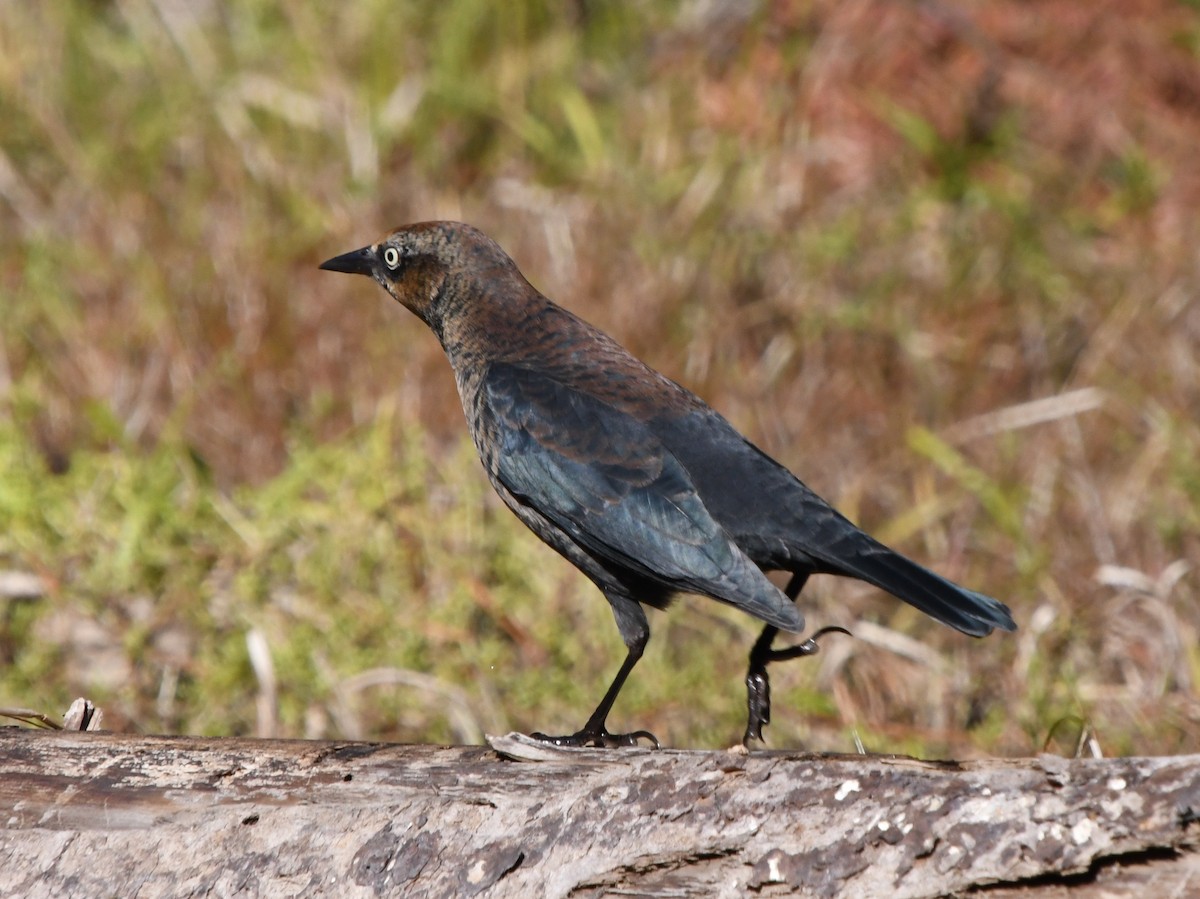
[604, 479]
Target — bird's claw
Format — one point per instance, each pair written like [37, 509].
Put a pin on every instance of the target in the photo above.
[758, 684]
[807, 648]
[599, 737]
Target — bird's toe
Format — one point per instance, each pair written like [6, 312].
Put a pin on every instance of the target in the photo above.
[599, 738]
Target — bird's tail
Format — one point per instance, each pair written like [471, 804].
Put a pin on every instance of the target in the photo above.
[962, 609]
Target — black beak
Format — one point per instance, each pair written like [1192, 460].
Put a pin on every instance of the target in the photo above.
[356, 262]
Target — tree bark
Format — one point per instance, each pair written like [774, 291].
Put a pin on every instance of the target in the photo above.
[111, 814]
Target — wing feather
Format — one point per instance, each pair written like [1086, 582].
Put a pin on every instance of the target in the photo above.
[605, 479]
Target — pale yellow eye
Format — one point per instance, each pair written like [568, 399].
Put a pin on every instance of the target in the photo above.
[391, 256]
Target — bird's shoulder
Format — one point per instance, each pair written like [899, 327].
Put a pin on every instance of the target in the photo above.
[528, 407]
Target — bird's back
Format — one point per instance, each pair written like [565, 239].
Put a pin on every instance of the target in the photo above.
[562, 418]
[769, 513]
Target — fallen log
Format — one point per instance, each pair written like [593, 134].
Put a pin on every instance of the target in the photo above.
[121, 815]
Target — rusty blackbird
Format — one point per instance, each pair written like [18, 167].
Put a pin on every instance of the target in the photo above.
[633, 478]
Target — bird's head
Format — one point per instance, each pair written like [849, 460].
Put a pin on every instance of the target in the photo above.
[429, 265]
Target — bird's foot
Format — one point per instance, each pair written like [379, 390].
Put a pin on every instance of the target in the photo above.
[758, 684]
[599, 737]
[758, 703]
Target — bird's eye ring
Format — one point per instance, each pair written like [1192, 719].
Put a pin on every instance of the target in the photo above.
[391, 256]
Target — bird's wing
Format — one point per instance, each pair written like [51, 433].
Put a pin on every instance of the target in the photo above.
[774, 516]
[602, 477]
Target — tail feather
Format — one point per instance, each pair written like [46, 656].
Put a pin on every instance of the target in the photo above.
[962, 609]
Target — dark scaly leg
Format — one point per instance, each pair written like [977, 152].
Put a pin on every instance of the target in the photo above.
[758, 684]
[594, 733]
[635, 631]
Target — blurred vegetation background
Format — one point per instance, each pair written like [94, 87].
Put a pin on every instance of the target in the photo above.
[939, 258]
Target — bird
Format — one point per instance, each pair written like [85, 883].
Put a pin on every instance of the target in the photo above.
[630, 476]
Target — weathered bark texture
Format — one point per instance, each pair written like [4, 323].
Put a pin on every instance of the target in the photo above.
[106, 814]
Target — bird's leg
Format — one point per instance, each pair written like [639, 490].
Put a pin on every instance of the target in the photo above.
[758, 687]
[758, 684]
[594, 733]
